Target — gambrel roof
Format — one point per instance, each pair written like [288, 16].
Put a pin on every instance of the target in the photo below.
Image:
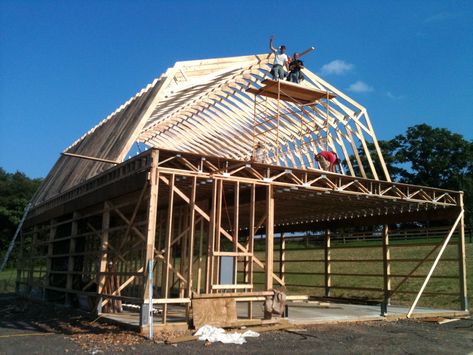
[209, 107]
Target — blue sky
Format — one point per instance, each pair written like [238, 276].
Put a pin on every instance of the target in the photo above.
[66, 65]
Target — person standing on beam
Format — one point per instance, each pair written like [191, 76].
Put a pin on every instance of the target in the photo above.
[281, 60]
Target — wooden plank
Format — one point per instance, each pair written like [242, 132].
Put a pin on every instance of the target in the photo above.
[232, 286]
[269, 238]
[328, 263]
[386, 265]
[461, 261]
[216, 311]
[104, 253]
[167, 248]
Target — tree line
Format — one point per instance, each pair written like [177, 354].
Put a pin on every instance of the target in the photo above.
[423, 155]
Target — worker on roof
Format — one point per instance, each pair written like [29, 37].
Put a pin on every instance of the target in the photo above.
[327, 160]
[281, 60]
[295, 67]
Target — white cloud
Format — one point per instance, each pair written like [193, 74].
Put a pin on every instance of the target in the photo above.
[360, 86]
[394, 97]
[337, 67]
[441, 16]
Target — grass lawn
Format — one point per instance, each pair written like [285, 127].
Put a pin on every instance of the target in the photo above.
[7, 281]
[300, 261]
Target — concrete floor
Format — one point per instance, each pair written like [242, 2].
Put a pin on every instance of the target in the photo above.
[301, 313]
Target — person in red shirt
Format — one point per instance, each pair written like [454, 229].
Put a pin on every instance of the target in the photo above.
[327, 160]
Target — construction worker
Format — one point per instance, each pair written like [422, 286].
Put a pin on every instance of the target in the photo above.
[261, 154]
[295, 66]
[281, 60]
[327, 160]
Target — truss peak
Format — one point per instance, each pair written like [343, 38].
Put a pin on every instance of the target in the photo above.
[287, 91]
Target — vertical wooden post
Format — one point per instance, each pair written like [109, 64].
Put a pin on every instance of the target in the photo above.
[236, 223]
[147, 305]
[461, 260]
[328, 263]
[199, 261]
[167, 246]
[268, 266]
[70, 263]
[104, 254]
[211, 240]
[31, 262]
[218, 223]
[282, 257]
[49, 260]
[191, 237]
[183, 225]
[386, 266]
[251, 244]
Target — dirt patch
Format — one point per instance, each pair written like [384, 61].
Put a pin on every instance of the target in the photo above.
[38, 328]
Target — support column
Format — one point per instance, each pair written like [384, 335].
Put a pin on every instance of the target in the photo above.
[251, 244]
[168, 245]
[191, 237]
[211, 240]
[147, 303]
[386, 267]
[104, 254]
[328, 263]
[282, 256]
[218, 224]
[52, 234]
[461, 260]
[31, 262]
[268, 266]
[236, 223]
[70, 263]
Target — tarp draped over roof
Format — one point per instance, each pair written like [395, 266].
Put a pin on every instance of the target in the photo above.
[203, 106]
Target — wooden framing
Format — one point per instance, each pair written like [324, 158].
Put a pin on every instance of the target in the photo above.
[154, 231]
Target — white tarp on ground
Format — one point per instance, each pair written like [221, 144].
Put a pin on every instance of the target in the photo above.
[213, 334]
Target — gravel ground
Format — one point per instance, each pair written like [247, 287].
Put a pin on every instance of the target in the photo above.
[35, 328]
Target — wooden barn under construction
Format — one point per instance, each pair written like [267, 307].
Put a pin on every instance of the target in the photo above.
[161, 215]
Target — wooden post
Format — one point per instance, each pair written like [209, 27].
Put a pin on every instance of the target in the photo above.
[236, 223]
[251, 244]
[52, 234]
[104, 254]
[183, 225]
[31, 262]
[218, 223]
[147, 307]
[70, 263]
[461, 260]
[199, 261]
[386, 266]
[167, 246]
[191, 237]
[211, 240]
[268, 266]
[282, 256]
[328, 263]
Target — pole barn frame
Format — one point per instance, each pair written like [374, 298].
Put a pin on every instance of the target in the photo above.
[104, 233]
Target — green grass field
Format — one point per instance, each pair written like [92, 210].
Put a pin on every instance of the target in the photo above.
[412, 285]
[7, 281]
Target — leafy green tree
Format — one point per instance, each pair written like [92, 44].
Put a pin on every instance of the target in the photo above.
[436, 157]
[16, 190]
[428, 156]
